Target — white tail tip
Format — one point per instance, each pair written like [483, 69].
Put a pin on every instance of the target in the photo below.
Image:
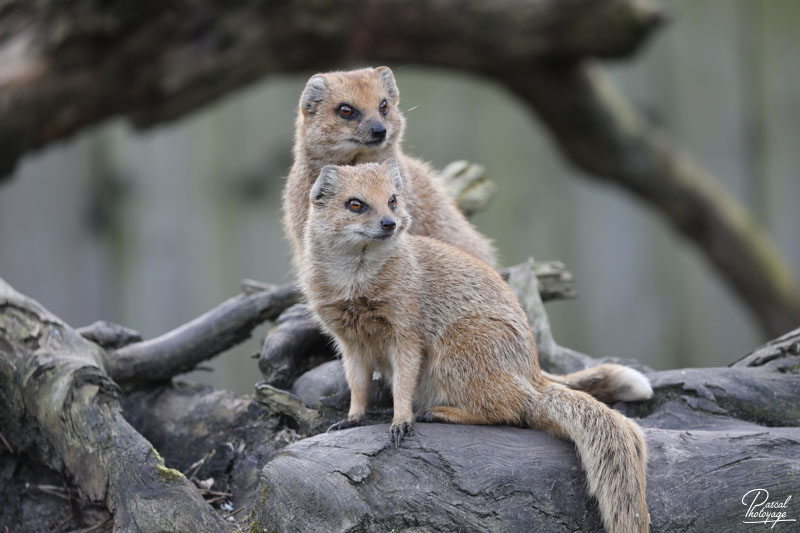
[631, 385]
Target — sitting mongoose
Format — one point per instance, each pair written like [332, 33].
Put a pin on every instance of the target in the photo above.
[448, 334]
[351, 117]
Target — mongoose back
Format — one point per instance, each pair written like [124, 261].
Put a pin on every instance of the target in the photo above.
[345, 118]
[448, 334]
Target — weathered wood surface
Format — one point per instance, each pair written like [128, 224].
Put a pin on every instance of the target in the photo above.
[61, 408]
[469, 478]
[713, 434]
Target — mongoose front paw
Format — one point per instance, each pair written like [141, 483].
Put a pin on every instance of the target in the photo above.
[346, 423]
[399, 431]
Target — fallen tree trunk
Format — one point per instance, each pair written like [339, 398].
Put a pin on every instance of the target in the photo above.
[470, 478]
[60, 407]
[712, 434]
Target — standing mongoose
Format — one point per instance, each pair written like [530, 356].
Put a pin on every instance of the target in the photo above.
[448, 334]
[346, 118]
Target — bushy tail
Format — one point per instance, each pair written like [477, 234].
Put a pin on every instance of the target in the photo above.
[608, 383]
[612, 451]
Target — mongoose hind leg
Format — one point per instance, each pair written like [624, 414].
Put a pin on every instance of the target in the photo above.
[451, 415]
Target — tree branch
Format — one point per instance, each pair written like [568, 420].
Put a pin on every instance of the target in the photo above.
[68, 67]
[183, 348]
[598, 131]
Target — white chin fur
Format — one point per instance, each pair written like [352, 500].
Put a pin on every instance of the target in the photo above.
[631, 386]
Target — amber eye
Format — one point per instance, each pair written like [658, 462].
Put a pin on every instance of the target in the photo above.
[384, 108]
[356, 206]
[392, 202]
[345, 111]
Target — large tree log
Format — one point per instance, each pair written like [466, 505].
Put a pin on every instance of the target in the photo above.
[469, 478]
[729, 439]
[215, 434]
[63, 410]
[60, 407]
[70, 65]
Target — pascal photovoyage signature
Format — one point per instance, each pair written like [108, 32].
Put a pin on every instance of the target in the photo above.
[762, 510]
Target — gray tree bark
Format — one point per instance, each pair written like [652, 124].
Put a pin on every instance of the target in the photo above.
[69, 458]
[61, 408]
[67, 65]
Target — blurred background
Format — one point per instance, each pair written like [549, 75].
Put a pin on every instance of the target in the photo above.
[152, 228]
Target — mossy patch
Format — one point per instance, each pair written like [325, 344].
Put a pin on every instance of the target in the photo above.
[255, 524]
[255, 527]
[168, 475]
[158, 456]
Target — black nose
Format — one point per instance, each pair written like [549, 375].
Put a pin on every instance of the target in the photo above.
[377, 131]
[387, 224]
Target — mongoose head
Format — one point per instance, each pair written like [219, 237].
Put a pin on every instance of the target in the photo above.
[350, 117]
[359, 207]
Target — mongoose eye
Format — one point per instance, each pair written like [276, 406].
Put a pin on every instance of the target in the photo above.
[345, 111]
[356, 206]
[384, 108]
[393, 202]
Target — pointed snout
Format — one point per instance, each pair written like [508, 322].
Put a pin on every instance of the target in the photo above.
[377, 131]
[372, 131]
[388, 224]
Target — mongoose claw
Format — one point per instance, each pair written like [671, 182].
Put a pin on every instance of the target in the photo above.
[346, 423]
[400, 431]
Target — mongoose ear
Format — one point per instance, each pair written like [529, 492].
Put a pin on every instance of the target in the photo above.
[325, 185]
[392, 168]
[313, 94]
[387, 78]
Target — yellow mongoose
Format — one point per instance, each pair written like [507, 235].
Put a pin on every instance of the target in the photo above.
[448, 334]
[345, 118]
